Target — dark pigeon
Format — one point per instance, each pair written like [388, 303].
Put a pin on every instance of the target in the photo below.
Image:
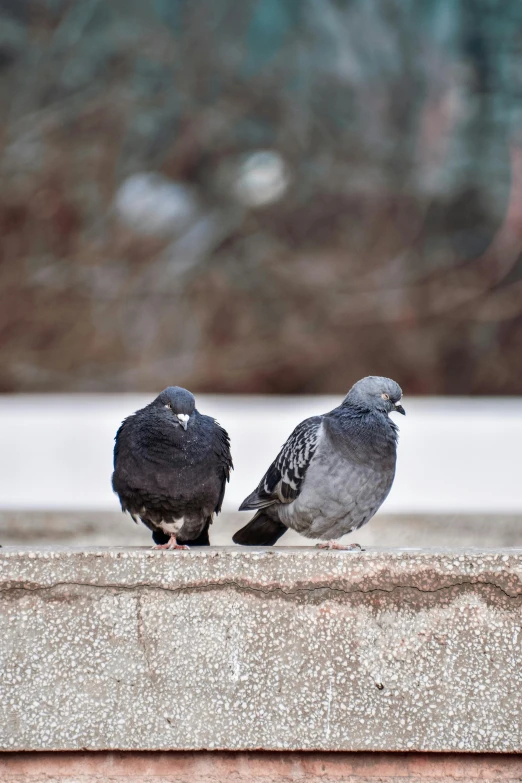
[171, 466]
[333, 473]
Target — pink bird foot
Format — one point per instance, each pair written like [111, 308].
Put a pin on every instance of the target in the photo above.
[171, 544]
[336, 545]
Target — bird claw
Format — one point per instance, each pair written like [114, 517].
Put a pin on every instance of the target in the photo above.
[172, 544]
[336, 545]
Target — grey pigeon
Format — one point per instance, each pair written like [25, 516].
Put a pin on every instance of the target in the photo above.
[333, 473]
[171, 465]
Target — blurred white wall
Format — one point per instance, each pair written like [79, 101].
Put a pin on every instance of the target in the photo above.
[455, 454]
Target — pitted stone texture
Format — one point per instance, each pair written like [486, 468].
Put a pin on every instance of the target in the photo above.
[275, 649]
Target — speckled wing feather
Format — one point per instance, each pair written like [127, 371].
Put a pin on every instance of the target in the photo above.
[283, 480]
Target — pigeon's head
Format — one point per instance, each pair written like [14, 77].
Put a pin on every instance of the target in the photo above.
[376, 393]
[177, 403]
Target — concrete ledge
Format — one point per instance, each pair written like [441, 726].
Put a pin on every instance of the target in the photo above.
[281, 649]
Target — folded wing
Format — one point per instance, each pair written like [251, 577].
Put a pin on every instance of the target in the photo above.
[222, 452]
[283, 480]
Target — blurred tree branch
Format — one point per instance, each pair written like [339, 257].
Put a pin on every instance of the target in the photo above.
[393, 245]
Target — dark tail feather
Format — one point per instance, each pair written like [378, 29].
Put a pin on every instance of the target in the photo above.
[159, 537]
[202, 540]
[260, 531]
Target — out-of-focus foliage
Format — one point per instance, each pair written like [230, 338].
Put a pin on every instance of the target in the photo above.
[261, 195]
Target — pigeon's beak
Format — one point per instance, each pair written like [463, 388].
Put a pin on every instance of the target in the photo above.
[399, 408]
[183, 419]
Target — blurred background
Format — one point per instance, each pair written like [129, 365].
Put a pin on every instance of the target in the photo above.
[264, 198]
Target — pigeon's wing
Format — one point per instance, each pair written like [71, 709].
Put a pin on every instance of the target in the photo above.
[124, 440]
[222, 452]
[120, 450]
[283, 480]
[117, 439]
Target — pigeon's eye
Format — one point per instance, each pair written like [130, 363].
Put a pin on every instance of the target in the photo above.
[168, 405]
[385, 396]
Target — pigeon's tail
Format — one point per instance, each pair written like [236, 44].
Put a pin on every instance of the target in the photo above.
[202, 540]
[260, 531]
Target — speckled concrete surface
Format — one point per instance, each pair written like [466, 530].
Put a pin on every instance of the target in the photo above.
[275, 649]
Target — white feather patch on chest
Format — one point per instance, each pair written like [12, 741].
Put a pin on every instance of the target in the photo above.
[172, 528]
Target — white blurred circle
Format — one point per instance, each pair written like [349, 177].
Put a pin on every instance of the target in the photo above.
[152, 205]
[261, 179]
